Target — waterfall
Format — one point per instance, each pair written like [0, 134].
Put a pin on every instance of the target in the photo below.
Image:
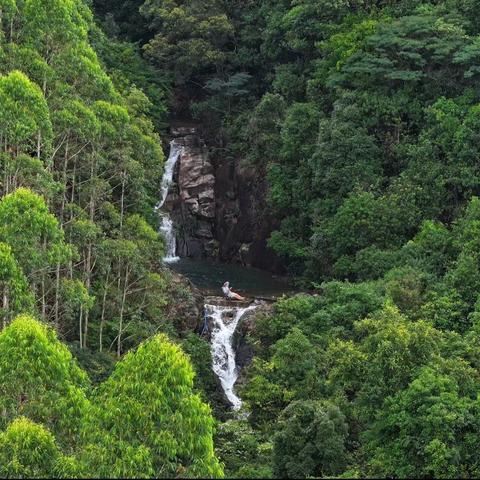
[166, 227]
[225, 321]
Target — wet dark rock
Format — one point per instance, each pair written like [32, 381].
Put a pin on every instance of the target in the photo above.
[242, 223]
[191, 199]
[224, 302]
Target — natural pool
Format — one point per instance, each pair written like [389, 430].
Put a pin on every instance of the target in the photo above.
[209, 277]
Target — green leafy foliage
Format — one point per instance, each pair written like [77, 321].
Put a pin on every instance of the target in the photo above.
[41, 380]
[80, 165]
[24, 112]
[28, 450]
[156, 419]
[428, 427]
[309, 441]
[361, 122]
[244, 454]
[119, 432]
[189, 36]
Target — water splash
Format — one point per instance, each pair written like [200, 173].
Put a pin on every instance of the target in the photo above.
[166, 227]
[225, 321]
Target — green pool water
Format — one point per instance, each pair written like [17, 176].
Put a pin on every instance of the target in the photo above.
[209, 277]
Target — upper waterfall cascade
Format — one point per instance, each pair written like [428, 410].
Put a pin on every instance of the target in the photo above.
[166, 227]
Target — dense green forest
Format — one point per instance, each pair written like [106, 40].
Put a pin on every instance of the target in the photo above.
[364, 119]
[81, 163]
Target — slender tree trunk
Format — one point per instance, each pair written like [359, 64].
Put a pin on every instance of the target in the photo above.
[64, 181]
[88, 271]
[72, 194]
[122, 201]
[85, 328]
[122, 309]
[44, 300]
[44, 86]
[80, 326]
[102, 318]
[88, 261]
[62, 210]
[72, 198]
[93, 169]
[57, 297]
[5, 176]
[39, 144]
[44, 303]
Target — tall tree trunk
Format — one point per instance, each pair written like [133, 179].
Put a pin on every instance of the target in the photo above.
[39, 144]
[88, 271]
[64, 181]
[122, 201]
[88, 261]
[80, 326]
[102, 318]
[57, 297]
[44, 302]
[72, 198]
[62, 221]
[122, 309]
[6, 168]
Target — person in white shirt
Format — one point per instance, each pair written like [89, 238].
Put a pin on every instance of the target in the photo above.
[229, 294]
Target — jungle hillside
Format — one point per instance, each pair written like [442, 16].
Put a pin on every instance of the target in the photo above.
[332, 145]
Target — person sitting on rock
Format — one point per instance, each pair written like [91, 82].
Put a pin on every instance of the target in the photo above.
[229, 294]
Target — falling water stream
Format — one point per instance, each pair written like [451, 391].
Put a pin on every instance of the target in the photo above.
[166, 226]
[225, 321]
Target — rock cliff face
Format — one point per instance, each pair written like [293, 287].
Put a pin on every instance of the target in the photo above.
[218, 206]
[191, 199]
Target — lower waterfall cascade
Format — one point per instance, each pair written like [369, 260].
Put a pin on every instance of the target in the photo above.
[225, 321]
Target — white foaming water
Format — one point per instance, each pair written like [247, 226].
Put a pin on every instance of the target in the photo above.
[166, 228]
[175, 152]
[225, 321]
